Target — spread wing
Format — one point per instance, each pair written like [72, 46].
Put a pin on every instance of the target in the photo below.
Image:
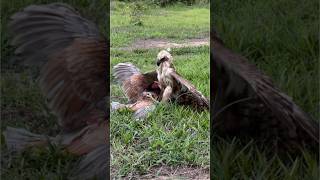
[72, 55]
[94, 165]
[247, 103]
[133, 82]
[189, 95]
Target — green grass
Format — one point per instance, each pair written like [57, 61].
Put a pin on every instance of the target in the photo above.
[282, 39]
[171, 135]
[173, 22]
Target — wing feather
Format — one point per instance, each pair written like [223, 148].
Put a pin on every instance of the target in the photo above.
[192, 96]
[247, 102]
[72, 56]
[133, 82]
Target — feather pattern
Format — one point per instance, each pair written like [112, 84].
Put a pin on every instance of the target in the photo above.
[248, 104]
[72, 57]
[188, 94]
[71, 54]
[174, 87]
[133, 82]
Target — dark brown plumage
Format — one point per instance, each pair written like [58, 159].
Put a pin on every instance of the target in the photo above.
[174, 87]
[71, 55]
[133, 81]
[246, 103]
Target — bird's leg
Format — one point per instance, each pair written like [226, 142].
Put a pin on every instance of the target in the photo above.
[166, 94]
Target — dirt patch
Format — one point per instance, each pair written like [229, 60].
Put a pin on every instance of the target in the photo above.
[177, 173]
[163, 44]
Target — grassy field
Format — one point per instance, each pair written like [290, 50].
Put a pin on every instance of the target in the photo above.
[172, 135]
[173, 22]
[281, 38]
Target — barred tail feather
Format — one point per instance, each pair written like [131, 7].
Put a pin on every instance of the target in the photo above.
[18, 139]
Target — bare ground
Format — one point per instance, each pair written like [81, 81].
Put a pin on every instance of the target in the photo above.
[164, 43]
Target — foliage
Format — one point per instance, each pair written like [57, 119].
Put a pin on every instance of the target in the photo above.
[136, 12]
[164, 3]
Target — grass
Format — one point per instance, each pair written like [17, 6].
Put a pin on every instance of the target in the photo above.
[173, 22]
[281, 38]
[172, 135]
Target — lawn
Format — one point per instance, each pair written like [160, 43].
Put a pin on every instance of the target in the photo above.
[282, 39]
[175, 22]
[172, 135]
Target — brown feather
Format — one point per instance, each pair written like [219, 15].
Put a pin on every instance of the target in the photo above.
[133, 82]
[72, 55]
[248, 104]
[175, 87]
[191, 96]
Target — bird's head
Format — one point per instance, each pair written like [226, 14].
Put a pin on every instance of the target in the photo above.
[150, 95]
[163, 56]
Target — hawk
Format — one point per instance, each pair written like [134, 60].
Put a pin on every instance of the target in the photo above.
[247, 104]
[71, 54]
[174, 87]
[141, 107]
[141, 89]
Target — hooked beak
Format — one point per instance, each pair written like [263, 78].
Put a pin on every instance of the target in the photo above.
[159, 61]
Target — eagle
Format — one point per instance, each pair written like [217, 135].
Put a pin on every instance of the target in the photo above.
[141, 89]
[174, 87]
[247, 104]
[71, 54]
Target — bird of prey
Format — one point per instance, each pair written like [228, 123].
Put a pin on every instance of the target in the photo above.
[141, 89]
[141, 108]
[247, 104]
[176, 88]
[71, 54]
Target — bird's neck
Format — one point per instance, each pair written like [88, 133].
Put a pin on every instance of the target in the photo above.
[164, 66]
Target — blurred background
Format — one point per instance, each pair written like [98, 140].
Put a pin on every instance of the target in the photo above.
[282, 39]
[22, 104]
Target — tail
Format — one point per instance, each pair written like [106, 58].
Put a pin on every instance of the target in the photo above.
[94, 165]
[116, 106]
[18, 139]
